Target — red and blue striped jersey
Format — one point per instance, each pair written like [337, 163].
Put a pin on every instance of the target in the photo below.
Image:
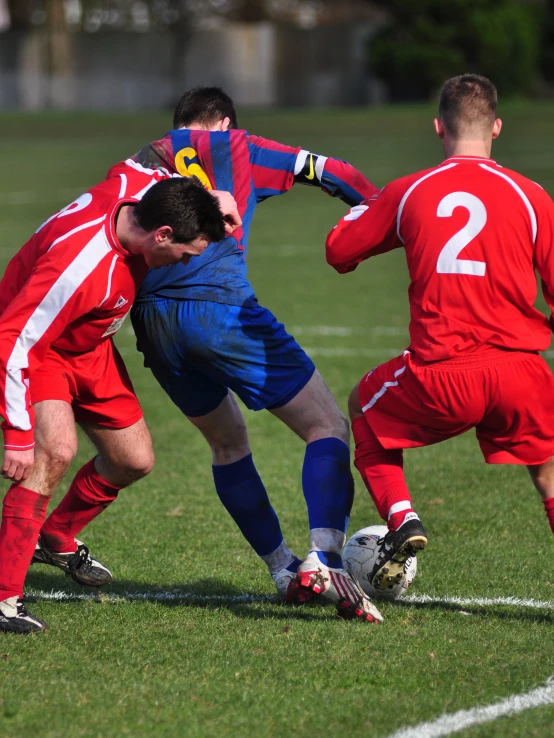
[252, 169]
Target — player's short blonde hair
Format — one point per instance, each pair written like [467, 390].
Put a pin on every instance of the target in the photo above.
[467, 103]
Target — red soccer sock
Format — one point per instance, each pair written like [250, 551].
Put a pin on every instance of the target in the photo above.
[22, 514]
[382, 471]
[549, 508]
[87, 497]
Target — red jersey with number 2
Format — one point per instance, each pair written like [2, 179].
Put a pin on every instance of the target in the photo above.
[474, 233]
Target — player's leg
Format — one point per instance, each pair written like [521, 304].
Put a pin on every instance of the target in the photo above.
[24, 509]
[382, 470]
[242, 492]
[315, 417]
[510, 434]
[405, 403]
[267, 369]
[124, 456]
[328, 486]
[106, 407]
[543, 479]
[183, 346]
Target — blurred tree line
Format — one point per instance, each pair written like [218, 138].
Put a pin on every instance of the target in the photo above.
[425, 42]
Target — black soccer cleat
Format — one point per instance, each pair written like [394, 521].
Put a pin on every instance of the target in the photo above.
[15, 618]
[78, 565]
[398, 546]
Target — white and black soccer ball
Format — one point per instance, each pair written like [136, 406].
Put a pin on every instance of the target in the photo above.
[360, 554]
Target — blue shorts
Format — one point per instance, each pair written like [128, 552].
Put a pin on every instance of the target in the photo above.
[197, 350]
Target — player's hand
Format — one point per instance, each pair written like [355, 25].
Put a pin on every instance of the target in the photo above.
[229, 208]
[17, 465]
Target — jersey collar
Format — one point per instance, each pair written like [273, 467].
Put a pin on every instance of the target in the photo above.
[461, 157]
[109, 225]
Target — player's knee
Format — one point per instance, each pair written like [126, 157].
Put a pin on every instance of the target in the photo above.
[228, 441]
[332, 425]
[543, 476]
[141, 465]
[133, 467]
[354, 407]
[229, 450]
[59, 457]
[342, 428]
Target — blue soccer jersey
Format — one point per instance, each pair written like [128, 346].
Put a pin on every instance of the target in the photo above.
[252, 169]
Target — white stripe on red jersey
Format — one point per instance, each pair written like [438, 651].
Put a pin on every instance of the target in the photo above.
[70, 299]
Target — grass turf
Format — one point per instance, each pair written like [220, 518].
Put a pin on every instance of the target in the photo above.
[198, 666]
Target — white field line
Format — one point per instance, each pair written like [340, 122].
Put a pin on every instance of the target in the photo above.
[350, 353]
[344, 330]
[321, 352]
[455, 722]
[337, 330]
[153, 596]
[157, 596]
[480, 601]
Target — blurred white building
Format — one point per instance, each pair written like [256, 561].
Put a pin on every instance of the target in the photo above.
[91, 64]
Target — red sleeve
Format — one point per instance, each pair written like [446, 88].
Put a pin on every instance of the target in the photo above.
[272, 166]
[61, 288]
[368, 229]
[544, 246]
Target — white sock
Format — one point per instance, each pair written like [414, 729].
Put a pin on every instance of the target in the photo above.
[327, 539]
[279, 559]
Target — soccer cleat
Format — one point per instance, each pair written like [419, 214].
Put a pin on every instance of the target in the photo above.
[15, 618]
[289, 589]
[335, 585]
[79, 565]
[398, 546]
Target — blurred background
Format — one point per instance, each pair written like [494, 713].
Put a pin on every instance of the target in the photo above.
[142, 54]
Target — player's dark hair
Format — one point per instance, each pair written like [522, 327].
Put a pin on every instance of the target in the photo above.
[205, 106]
[184, 205]
[467, 101]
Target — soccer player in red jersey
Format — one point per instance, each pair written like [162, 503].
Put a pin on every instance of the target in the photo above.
[63, 296]
[473, 233]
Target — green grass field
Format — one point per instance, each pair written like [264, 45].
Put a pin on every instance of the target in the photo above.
[190, 640]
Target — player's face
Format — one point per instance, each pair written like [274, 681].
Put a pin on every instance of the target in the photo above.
[165, 252]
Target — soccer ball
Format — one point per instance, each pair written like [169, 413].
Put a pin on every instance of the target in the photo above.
[359, 556]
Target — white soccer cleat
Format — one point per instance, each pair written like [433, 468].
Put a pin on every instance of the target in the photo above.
[289, 589]
[15, 618]
[79, 564]
[336, 586]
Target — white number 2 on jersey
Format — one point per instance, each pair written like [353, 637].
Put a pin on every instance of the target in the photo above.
[448, 262]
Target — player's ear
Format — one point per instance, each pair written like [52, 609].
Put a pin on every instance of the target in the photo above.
[439, 127]
[224, 124]
[496, 128]
[163, 233]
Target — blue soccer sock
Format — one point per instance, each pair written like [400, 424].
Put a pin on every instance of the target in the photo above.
[329, 491]
[242, 492]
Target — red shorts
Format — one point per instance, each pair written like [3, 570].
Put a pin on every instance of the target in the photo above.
[507, 396]
[95, 384]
